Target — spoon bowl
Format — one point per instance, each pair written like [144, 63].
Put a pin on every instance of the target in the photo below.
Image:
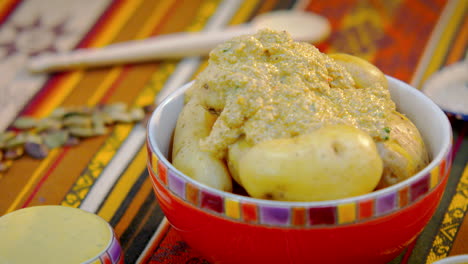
[303, 26]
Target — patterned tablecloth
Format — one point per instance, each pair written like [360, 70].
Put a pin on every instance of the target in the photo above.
[407, 39]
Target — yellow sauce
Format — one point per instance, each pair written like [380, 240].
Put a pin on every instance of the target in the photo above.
[266, 86]
[52, 234]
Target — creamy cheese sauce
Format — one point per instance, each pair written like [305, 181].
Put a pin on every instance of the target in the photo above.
[52, 234]
[267, 86]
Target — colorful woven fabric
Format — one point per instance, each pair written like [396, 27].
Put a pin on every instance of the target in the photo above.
[107, 175]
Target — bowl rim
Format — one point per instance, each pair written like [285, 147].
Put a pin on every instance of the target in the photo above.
[443, 155]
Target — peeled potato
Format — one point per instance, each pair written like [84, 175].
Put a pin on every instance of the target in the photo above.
[365, 74]
[235, 152]
[404, 153]
[333, 162]
[194, 123]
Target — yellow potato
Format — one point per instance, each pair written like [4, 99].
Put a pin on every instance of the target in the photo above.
[333, 162]
[404, 153]
[194, 123]
[235, 152]
[364, 73]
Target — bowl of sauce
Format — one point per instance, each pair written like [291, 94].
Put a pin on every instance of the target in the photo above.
[57, 234]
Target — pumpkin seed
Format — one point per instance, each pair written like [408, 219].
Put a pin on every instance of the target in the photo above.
[121, 117]
[137, 114]
[81, 132]
[97, 119]
[35, 150]
[13, 153]
[5, 165]
[56, 139]
[33, 138]
[25, 122]
[77, 111]
[115, 107]
[48, 124]
[58, 113]
[6, 136]
[71, 141]
[77, 120]
[19, 140]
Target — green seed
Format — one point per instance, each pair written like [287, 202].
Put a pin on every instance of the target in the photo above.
[6, 136]
[58, 113]
[48, 124]
[33, 138]
[19, 140]
[25, 122]
[121, 117]
[77, 111]
[137, 114]
[56, 139]
[115, 107]
[81, 132]
[76, 120]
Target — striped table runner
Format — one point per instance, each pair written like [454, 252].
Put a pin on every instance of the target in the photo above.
[106, 175]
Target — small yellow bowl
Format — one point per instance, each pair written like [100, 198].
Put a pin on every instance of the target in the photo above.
[57, 234]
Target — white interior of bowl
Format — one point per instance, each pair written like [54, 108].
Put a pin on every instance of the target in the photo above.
[432, 123]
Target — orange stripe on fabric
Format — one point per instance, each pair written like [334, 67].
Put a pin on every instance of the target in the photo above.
[6, 7]
[57, 160]
[459, 48]
[33, 180]
[444, 41]
[58, 93]
[123, 186]
[134, 207]
[155, 19]
[63, 86]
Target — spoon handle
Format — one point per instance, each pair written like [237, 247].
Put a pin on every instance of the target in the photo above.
[169, 46]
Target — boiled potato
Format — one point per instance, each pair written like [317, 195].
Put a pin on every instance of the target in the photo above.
[194, 123]
[235, 152]
[364, 73]
[404, 153]
[335, 161]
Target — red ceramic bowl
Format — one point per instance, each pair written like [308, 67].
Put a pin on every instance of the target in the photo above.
[371, 228]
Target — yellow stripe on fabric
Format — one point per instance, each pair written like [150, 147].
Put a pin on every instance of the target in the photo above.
[457, 207]
[118, 21]
[123, 186]
[443, 44]
[102, 158]
[34, 178]
[105, 154]
[56, 98]
[244, 12]
[104, 86]
[145, 31]
[154, 19]
[125, 12]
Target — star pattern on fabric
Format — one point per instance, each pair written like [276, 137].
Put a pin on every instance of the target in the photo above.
[31, 39]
